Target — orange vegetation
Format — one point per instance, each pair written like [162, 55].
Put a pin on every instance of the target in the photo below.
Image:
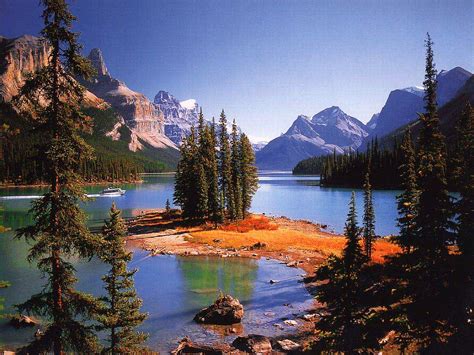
[281, 239]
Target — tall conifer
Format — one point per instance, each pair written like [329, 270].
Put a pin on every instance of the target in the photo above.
[236, 173]
[213, 195]
[53, 100]
[225, 166]
[407, 200]
[248, 170]
[369, 216]
[120, 313]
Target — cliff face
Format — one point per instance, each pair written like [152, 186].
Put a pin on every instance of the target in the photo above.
[142, 117]
[22, 55]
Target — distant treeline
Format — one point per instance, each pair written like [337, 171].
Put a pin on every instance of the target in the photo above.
[113, 160]
[349, 169]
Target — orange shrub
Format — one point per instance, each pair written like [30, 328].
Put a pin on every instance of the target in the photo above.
[250, 223]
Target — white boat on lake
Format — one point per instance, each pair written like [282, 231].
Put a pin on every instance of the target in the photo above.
[112, 191]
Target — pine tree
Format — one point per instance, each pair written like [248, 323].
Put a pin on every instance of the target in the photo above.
[408, 199]
[120, 313]
[213, 178]
[343, 326]
[369, 217]
[463, 301]
[236, 213]
[249, 179]
[168, 207]
[428, 271]
[225, 166]
[52, 99]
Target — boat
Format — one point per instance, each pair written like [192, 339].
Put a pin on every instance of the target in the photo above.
[112, 191]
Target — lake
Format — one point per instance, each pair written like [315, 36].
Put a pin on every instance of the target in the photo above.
[175, 288]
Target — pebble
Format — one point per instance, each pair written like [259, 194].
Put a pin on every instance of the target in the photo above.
[290, 322]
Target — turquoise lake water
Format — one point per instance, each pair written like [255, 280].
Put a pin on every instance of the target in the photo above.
[175, 288]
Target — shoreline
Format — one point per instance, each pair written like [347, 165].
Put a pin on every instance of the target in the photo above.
[98, 183]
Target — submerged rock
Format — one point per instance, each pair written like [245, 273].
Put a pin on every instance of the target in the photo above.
[226, 310]
[254, 344]
[186, 346]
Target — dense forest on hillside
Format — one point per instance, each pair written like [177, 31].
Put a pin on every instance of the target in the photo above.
[113, 160]
[349, 169]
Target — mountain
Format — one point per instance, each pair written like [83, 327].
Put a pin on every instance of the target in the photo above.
[373, 121]
[26, 54]
[141, 116]
[403, 105]
[179, 116]
[448, 114]
[327, 131]
[258, 146]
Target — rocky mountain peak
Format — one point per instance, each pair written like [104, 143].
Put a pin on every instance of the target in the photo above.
[164, 97]
[97, 60]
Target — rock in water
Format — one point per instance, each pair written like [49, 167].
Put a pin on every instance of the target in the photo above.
[186, 346]
[253, 344]
[288, 345]
[226, 310]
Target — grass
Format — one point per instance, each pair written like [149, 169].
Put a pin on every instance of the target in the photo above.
[261, 230]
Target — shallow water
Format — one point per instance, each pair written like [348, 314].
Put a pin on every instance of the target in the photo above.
[175, 288]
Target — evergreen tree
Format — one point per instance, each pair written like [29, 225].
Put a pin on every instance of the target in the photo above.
[52, 100]
[168, 207]
[428, 271]
[463, 302]
[213, 178]
[120, 313]
[236, 213]
[407, 200]
[225, 166]
[249, 179]
[343, 326]
[369, 217]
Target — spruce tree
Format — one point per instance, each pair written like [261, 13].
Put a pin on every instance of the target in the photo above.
[120, 313]
[462, 308]
[52, 99]
[236, 213]
[249, 179]
[343, 326]
[408, 199]
[369, 217]
[213, 178]
[168, 207]
[428, 271]
[225, 166]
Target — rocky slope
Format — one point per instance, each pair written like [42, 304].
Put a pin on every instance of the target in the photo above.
[22, 55]
[179, 117]
[141, 116]
[327, 131]
[403, 105]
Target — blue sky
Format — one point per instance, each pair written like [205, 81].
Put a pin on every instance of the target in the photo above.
[266, 61]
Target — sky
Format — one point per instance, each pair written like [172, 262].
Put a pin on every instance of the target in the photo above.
[266, 61]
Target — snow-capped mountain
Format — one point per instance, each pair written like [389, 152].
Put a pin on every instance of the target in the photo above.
[327, 131]
[402, 105]
[179, 116]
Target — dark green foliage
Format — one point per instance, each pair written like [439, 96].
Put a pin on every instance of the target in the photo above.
[215, 179]
[236, 174]
[168, 207]
[119, 313]
[225, 176]
[346, 325]
[59, 231]
[249, 177]
[408, 199]
[310, 166]
[369, 218]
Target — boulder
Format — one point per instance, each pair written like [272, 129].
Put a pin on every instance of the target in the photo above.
[186, 346]
[21, 321]
[253, 344]
[288, 345]
[226, 310]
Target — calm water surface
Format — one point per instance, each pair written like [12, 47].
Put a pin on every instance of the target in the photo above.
[175, 288]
